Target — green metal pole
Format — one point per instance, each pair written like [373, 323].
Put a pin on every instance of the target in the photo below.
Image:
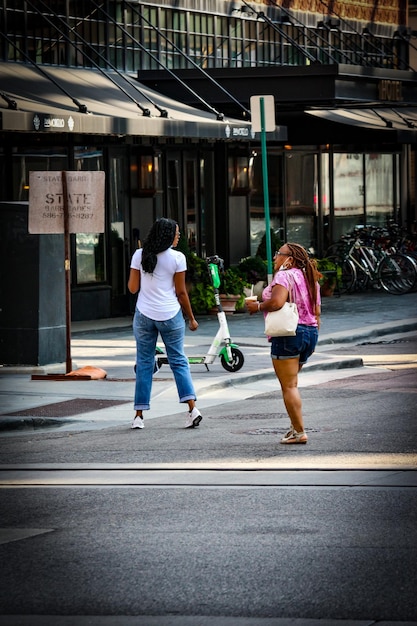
[266, 191]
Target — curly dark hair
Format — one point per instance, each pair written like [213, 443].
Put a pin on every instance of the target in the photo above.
[304, 262]
[159, 239]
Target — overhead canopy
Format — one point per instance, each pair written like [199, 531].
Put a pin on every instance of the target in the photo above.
[51, 99]
[395, 118]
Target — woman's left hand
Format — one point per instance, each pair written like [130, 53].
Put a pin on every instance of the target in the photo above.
[193, 324]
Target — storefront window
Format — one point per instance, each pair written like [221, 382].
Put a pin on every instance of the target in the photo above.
[31, 160]
[238, 174]
[300, 183]
[89, 247]
[206, 214]
[379, 188]
[191, 203]
[89, 250]
[323, 202]
[363, 191]
[117, 212]
[173, 189]
[349, 210]
[257, 203]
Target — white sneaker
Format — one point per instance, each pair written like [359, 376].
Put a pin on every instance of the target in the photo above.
[138, 422]
[193, 418]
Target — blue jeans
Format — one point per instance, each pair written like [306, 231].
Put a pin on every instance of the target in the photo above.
[302, 345]
[146, 334]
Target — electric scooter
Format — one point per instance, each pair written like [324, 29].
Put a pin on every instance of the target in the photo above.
[231, 357]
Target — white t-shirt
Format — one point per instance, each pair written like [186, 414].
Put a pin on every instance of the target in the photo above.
[157, 298]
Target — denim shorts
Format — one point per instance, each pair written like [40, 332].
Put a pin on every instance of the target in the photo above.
[302, 345]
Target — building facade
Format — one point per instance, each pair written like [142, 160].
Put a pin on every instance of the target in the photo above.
[157, 95]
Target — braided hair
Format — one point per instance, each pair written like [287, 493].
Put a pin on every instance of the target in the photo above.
[303, 262]
[159, 239]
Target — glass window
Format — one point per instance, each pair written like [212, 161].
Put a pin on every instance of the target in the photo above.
[257, 204]
[143, 174]
[31, 159]
[236, 43]
[89, 247]
[173, 189]
[191, 203]
[324, 189]
[251, 43]
[238, 174]
[117, 210]
[300, 184]
[379, 177]
[206, 216]
[348, 193]
[230, 40]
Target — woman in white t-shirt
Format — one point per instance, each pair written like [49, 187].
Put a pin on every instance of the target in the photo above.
[157, 272]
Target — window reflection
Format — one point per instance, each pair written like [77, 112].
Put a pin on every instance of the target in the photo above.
[89, 247]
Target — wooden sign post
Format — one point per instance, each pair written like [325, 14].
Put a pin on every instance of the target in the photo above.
[65, 203]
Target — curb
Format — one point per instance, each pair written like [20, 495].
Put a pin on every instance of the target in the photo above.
[267, 374]
[33, 423]
[346, 336]
[387, 328]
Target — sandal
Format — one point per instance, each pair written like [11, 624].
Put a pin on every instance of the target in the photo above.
[293, 436]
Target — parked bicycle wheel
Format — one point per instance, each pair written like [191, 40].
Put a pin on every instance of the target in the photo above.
[363, 280]
[413, 255]
[397, 273]
[347, 281]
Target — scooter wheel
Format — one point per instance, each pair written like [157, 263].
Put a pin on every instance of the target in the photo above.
[236, 363]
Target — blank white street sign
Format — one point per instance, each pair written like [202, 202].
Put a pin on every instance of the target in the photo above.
[269, 110]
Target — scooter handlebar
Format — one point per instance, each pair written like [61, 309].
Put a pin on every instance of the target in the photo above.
[216, 260]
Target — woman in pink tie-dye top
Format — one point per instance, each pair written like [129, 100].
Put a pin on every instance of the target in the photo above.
[294, 271]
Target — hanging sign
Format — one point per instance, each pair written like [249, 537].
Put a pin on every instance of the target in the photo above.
[85, 202]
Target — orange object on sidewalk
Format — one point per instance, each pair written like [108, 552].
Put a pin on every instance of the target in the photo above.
[95, 373]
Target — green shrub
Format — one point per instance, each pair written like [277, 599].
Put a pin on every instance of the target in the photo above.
[253, 269]
[276, 243]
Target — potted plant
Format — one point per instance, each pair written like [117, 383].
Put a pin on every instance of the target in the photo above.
[232, 283]
[254, 272]
[330, 274]
[200, 289]
[232, 289]
[276, 243]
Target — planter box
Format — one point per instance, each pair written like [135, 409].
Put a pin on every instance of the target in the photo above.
[228, 303]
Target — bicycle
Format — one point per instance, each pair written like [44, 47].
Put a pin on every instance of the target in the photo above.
[369, 264]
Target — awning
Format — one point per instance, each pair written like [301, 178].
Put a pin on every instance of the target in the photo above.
[44, 104]
[395, 118]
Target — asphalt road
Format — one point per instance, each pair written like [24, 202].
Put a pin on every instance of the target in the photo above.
[222, 526]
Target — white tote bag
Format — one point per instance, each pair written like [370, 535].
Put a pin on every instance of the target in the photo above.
[283, 323]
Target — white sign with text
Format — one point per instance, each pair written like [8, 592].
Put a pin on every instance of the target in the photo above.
[85, 201]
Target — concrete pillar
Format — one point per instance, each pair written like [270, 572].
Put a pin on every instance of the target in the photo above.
[32, 292]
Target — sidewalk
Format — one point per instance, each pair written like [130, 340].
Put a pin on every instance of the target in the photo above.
[345, 318]
[109, 344]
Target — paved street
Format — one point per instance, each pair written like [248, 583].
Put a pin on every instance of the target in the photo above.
[220, 525]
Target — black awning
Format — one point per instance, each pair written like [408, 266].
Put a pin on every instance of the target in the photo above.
[377, 118]
[41, 106]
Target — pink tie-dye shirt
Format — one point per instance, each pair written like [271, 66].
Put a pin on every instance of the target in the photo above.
[295, 280]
